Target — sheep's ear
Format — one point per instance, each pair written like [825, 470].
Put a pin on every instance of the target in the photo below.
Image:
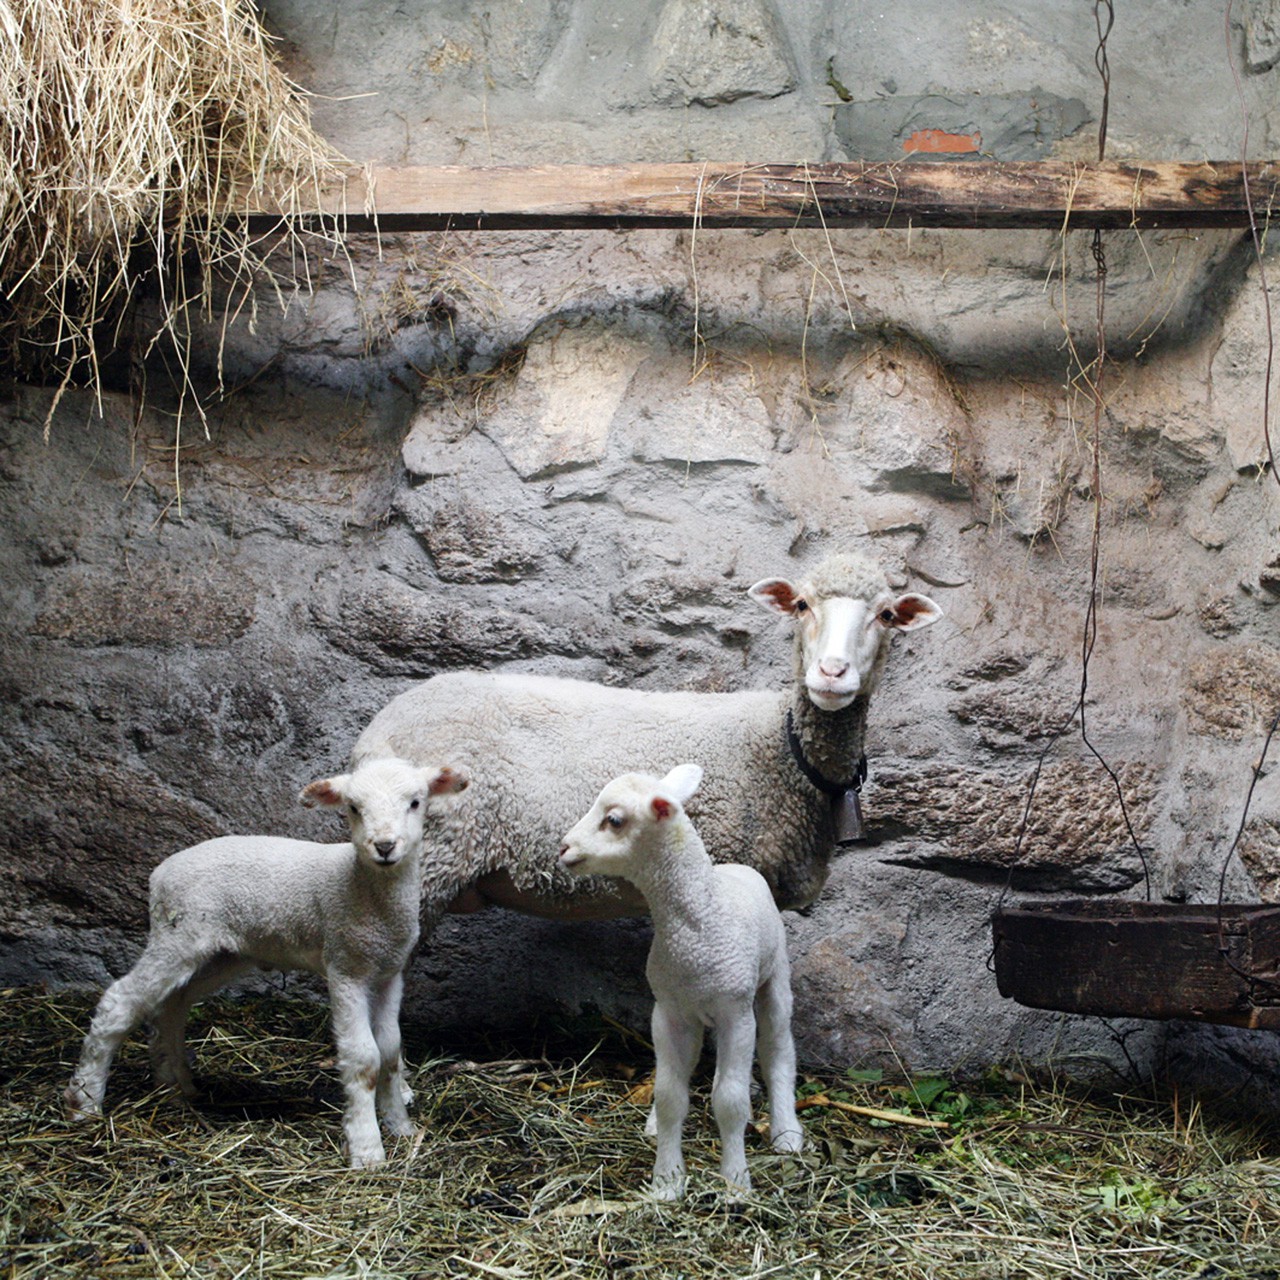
[329, 793]
[775, 594]
[911, 612]
[446, 781]
[682, 782]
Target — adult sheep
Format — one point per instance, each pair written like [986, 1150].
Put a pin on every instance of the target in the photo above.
[776, 764]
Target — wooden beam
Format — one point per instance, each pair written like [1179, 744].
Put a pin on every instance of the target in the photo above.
[982, 195]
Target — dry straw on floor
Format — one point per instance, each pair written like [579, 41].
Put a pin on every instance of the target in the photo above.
[126, 128]
[534, 1167]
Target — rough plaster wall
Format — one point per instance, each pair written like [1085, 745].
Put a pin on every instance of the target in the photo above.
[572, 453]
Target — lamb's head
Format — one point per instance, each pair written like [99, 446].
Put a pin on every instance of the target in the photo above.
[386, 801]
[629, 816]
[844, 613]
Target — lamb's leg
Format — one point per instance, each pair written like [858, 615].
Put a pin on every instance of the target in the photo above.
[651, 1120]
[124, 1005]
[731, 1092]
[391, 1083]
[777, 1051]
[169, 1023]
[676, 1041]
[357, 1068]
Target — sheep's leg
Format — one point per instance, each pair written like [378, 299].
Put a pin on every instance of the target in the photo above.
[676, 1042]
[124, 1005]
[169, 1024]
[357, 1068]
[731, 1093]
[392, 1088]
[695, 1052]
[777, 1051]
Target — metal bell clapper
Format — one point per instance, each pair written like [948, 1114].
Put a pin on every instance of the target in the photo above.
[847, 809]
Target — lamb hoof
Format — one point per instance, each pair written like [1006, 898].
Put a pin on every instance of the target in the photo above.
[368, 1159]
[79, 1106]
[401, 1128]
[668, 1187]
[790, 1142]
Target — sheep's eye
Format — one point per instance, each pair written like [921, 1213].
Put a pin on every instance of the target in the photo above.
[615, 821]
[354, 810]
[802, 606]
[413, 804]
[886, 615]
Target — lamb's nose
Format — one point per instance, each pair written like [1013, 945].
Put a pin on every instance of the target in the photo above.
[384, 847]
[833, 668]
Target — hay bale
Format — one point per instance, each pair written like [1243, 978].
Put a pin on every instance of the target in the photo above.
[126, 128]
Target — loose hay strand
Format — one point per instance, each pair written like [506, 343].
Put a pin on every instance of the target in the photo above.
[128, 128]
[535, 1166]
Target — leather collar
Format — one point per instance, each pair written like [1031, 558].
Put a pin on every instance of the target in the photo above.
[824, 785]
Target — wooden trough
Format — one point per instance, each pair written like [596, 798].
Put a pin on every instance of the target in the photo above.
[1143, 960]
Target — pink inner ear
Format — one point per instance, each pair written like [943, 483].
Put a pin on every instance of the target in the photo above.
[905, 608]
[662, 807]
[782, 596]
[445, 780]
[322, 793]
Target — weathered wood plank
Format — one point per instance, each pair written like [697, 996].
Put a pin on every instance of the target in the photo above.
[1143, 960]
[984, 195]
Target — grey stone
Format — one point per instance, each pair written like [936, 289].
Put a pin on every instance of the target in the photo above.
[1228, 691]
[157, 605]
[558, 414]
[711, 52]
[1075, 835]
[1262, 35]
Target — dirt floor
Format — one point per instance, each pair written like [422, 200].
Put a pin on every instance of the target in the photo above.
[532, 1163]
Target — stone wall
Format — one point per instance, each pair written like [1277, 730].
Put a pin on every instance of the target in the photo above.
[572, 453]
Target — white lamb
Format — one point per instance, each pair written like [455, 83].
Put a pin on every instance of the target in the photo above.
[718, 959]
[782, 766]
[347, 911]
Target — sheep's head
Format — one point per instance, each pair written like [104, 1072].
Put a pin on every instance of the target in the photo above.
[614, 836]
[386, 801]
[845, 614]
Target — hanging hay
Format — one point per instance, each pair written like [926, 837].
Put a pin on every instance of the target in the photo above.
[126, 129]
[532, 1166]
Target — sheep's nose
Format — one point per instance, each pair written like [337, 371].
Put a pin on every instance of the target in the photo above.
[384, 847]
[833, 668]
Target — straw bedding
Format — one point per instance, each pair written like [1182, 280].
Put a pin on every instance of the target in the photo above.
[534, 1166]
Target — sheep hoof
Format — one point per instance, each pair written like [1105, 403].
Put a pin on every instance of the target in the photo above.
[668, 1186]
[401, 1128]
[737, 1184]
[789, 1142]
[79, 1106]
[369, 1158]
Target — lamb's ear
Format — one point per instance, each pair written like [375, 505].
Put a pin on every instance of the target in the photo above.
[682, 782]
[446, 781]
[329, 793]
[775, 594]
[911, 612]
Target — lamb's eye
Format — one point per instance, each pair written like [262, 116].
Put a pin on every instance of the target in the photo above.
[413, 804]
[886, 615]
[802, 606]
[615, 821]
[354, 810]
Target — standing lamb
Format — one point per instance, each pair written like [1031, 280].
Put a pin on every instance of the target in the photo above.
[718, 959]
[779, 764]
[347, 911]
